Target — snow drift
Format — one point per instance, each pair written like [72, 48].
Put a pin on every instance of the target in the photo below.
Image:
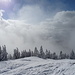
[37, 66]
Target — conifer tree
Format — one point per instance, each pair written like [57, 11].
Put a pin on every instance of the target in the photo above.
[72, 55]
[23, 54]
[54, 56]
[47, 55]
[4, 53]
[0, 54]
[41, 54]
[16, 54]
[36, 52]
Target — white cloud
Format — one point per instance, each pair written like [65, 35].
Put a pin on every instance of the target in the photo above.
[5, 1]
[32, 14]
[55, 33]
[63, 24]
[1, 13]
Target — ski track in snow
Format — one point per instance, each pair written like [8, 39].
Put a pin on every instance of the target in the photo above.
[37, 66]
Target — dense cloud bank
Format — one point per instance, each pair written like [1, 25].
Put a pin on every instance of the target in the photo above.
[57, 33]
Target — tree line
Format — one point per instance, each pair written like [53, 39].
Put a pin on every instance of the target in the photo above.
[38, 53]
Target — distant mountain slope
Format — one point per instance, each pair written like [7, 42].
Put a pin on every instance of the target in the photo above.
[37, 66]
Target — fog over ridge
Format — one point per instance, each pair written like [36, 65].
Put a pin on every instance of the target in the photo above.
[57, 33]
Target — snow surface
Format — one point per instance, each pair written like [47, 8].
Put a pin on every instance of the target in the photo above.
[37, 66]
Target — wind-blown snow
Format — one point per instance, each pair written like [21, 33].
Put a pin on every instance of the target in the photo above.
[37, 66]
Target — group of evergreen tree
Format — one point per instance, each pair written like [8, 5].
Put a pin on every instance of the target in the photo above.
[3, 53]
[38, 53]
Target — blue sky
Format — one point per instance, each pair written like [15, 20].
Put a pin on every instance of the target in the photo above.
[48, 6]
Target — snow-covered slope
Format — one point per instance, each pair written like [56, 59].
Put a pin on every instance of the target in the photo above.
[37, 66]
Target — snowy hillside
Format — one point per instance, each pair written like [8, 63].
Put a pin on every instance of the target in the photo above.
[37, 66]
